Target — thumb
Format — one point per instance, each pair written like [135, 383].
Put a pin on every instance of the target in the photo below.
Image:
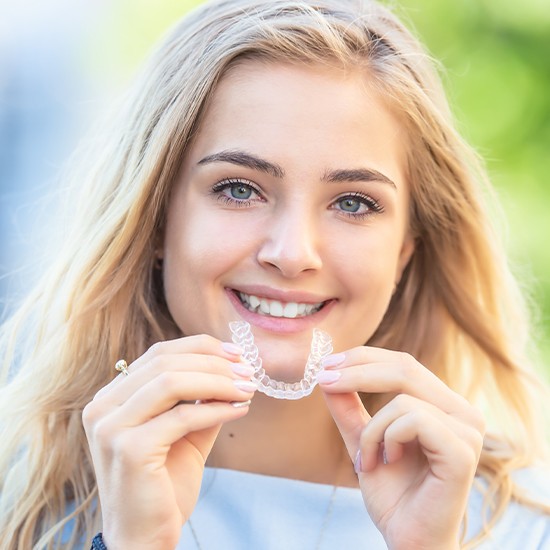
[350, 417]
[204, 439]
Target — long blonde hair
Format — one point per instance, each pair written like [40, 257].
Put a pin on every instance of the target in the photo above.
[456, 309]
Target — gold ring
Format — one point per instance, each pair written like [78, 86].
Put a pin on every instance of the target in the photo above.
[122, 366]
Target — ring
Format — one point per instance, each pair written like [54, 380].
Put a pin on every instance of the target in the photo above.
[122, 366]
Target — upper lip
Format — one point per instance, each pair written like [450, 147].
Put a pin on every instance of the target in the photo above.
[281, 295]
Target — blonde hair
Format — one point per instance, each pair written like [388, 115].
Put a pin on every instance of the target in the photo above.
[456, 309]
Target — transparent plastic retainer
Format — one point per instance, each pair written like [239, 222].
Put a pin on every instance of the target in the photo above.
[321, 346]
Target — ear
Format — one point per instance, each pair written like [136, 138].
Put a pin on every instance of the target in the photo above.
[158, 254]
[159, 245]
[407, 250]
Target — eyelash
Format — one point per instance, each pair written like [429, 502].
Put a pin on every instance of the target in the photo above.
[373, 206]
[218, 191]
[225, 184]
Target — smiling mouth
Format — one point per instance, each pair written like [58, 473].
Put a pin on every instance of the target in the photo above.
[275, 308]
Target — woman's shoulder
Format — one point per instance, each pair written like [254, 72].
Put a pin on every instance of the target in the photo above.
[522, 525]
[535, 482]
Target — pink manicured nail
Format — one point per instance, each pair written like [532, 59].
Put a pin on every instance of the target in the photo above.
[240, 404]
[232, 348]
[242, 369]
[328, 376]
[245, 385]
[357, 466]
[334, 360]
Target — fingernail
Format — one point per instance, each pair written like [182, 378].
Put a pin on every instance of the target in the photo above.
[357, 466]
[328, 376]
[333, 360]
[245, 385]
[240, 404]
[384, 457]
[242, 369]
[232, 348]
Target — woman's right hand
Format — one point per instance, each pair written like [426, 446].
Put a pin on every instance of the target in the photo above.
[149, 449]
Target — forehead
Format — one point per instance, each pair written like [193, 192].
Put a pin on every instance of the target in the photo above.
[294, 111]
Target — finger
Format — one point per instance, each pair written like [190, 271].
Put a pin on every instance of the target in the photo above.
[202, 440]
[169, 427]
[376, 370]
[201, 344]
[350, 417]
[449, 457]
[189, 432]
[374, 435]
[151, 441]
[122, 387]
[170, 388]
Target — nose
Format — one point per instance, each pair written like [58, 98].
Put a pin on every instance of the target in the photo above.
[291, 244]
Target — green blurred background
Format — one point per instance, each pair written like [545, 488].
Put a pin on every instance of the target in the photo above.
[495, 57]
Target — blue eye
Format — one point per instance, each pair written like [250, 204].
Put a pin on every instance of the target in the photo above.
[357, 206]
[349, 204]
[240, 191]
[236, 192]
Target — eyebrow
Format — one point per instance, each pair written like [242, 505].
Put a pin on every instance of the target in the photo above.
[357, 175]
[248, 160]
[241, 158]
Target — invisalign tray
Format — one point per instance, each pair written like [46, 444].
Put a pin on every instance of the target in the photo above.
[321, 346]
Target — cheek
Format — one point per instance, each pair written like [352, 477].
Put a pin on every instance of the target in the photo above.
[367, 272]
[200, 248]
[194, 258]
[368, 258]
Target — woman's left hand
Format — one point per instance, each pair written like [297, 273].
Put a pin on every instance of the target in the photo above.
[417, 456]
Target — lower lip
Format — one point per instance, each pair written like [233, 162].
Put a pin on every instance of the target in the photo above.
[279, 324]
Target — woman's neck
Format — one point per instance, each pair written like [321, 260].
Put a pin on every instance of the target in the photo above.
[292, 439]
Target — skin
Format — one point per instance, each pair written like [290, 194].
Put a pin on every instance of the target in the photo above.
[281, 219]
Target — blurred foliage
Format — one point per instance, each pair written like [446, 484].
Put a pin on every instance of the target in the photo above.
[495, 56]
[496, 59]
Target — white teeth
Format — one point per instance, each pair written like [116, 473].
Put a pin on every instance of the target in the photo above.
[264, 306]
[291, 310]
[274, 308]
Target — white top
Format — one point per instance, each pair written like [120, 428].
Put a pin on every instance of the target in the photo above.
[244, 511]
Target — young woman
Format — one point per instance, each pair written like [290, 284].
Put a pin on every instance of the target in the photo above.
[291, 164]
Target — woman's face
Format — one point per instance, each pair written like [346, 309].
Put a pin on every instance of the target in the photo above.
[290, 212]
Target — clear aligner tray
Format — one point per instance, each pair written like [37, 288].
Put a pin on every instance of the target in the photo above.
[321, 346]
